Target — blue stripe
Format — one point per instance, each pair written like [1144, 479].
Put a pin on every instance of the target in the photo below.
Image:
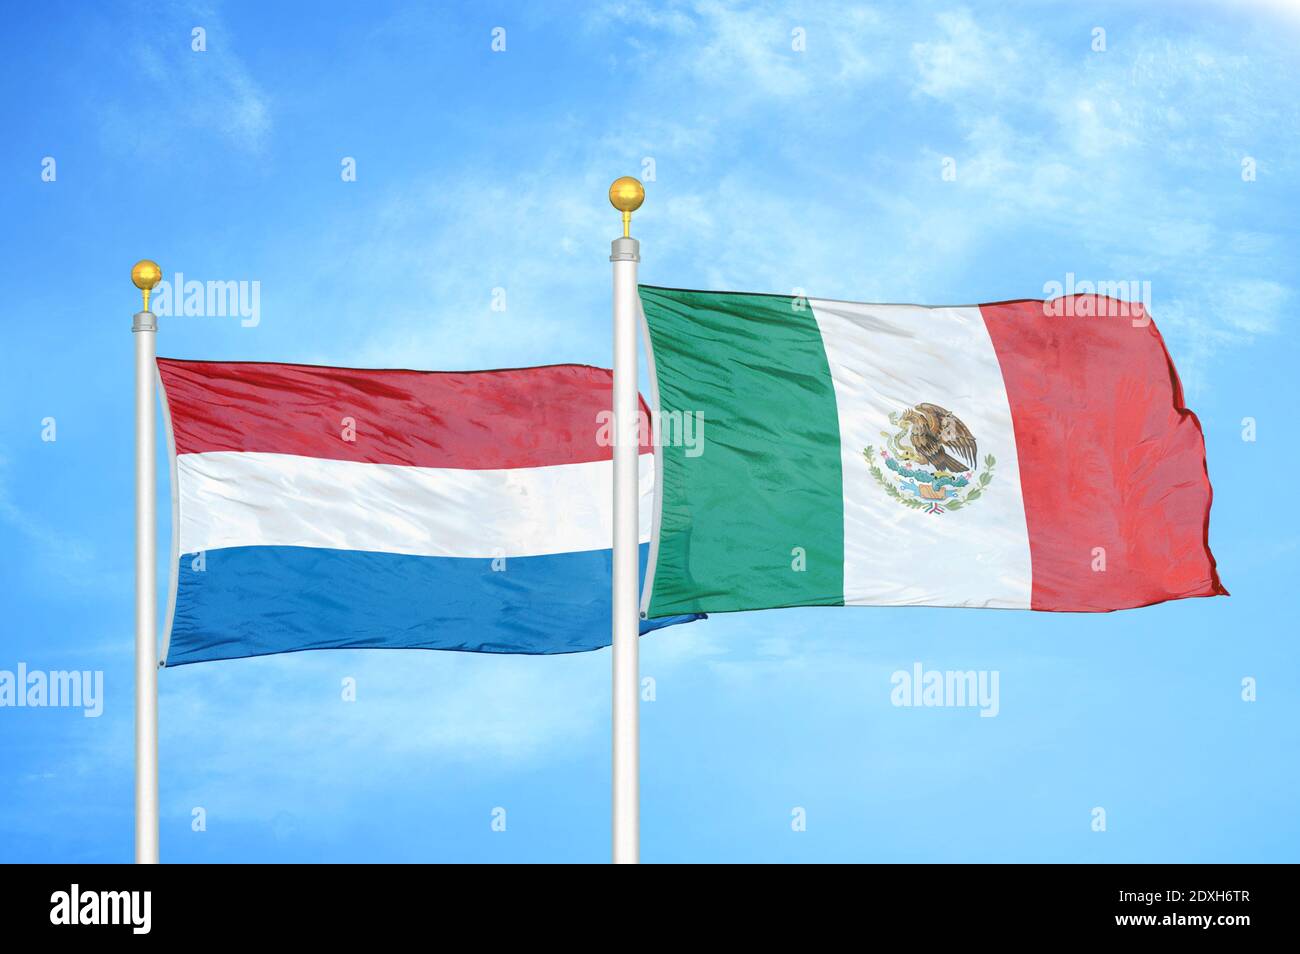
[251, 601]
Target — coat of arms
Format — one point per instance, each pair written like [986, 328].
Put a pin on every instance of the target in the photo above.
[930, 462]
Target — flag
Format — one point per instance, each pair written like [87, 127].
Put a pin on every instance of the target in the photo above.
[327, 508]
[1024, 455]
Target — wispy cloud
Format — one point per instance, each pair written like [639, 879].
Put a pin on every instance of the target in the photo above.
[754, 52]
[49, 553]
[1118, 141]
[240, 724]
[965, 57]
[210, 92]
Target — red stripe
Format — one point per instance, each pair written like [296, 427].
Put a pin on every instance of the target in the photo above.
[475, 420]
[1109, 456]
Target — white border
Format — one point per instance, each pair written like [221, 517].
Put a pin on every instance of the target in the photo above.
[176, 519]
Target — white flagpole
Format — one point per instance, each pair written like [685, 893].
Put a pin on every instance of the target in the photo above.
[626, 195]
[145, 275]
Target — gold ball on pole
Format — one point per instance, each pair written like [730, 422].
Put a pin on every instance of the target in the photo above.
[145, 274]
[626, 194]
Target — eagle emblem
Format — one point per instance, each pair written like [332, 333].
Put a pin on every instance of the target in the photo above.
[930, 461]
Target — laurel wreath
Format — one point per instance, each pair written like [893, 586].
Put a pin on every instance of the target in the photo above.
[916, 503]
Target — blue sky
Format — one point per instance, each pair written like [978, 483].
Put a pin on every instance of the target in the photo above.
[774, 169]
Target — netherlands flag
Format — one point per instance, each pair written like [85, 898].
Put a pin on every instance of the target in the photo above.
[333, 508]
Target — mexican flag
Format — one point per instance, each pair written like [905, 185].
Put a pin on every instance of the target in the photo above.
[1020, 455]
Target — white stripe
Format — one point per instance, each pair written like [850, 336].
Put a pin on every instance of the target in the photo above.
[236, 499]
[887, 358]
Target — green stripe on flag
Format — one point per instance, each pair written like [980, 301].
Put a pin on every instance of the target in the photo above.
[764, 496]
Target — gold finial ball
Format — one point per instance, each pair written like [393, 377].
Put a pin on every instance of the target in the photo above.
[146, 274]
[626, 194]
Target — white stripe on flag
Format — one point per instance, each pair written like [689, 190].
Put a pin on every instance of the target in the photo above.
[887, 358]
[241, 499]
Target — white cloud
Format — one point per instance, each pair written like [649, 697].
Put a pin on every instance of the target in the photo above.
[1116, 141]
[749, 51]
[211, 92]
[241, 727]
[965, 57]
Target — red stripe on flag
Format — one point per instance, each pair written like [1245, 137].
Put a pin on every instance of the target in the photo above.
[1109, 456]
[472, 420]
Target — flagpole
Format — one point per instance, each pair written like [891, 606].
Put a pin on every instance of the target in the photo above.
[145, 275]
[626, 195]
